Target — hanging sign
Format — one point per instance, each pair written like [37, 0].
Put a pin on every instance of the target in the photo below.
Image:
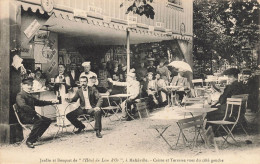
[32, 28]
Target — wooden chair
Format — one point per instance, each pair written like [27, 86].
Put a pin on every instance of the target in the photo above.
[197, 81]
[198, 89]
[196, 100]
[231, 118]
[114, 108]
[196, 122]
[244, 98]
[26, 127]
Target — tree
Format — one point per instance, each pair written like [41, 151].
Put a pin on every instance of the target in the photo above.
[141, 7]
[228, 28]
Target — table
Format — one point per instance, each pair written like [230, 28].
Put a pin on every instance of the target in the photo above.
[37, 92]
[112, 108]
[61, 111]
[168, 116]
[174, 89]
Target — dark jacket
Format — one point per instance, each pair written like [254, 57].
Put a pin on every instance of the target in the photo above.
[73, 81]
[26, 105]
[235, 88]
[93, 94]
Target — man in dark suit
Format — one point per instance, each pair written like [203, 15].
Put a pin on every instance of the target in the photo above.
[233, 88]
[73, 74]
[26, 110]
[90, 103]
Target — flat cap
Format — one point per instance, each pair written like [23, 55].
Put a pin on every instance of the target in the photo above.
[27, 81]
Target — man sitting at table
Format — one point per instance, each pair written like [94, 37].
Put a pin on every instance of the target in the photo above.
[233, 88]
[90, 102]
[150, 88]
[182, 82]
[133, 90]
[26, 110]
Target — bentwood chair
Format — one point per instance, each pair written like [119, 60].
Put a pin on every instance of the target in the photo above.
[26, 127]
[231, 118]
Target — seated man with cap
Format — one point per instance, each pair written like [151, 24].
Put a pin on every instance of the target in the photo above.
[88, 73]
[90, 103]
[133, 90]
[26, 110]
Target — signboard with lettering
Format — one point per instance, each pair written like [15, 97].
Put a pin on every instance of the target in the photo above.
[32, 28]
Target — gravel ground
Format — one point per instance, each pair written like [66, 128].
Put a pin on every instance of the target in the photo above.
[129, 142]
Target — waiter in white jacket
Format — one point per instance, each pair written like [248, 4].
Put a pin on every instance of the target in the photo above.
[88, 73]
[133, 89]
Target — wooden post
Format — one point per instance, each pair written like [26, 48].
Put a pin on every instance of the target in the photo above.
[10, 34]
[128, 51]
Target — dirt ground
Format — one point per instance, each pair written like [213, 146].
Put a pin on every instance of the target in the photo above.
[130, 142]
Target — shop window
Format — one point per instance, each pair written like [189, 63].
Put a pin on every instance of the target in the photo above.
[177, 4]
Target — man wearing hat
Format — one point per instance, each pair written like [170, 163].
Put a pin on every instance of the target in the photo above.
[26, 110]
[133, 90]
[88, 73]
[90, 103]
[233, 88]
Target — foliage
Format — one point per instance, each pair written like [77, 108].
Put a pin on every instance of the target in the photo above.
[225, 29]
[141, 7]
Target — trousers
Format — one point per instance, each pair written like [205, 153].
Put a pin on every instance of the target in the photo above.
[73, 117]
[40, 125]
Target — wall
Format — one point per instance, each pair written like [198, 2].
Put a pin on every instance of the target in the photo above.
[172, 17]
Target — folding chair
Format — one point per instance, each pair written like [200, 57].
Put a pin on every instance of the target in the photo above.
[85, 117]
[164, 127]
[26, 127]
[196, 122]
[244, 107]
[197, 88]
[229, 115]
[197, 101]
[114, 108]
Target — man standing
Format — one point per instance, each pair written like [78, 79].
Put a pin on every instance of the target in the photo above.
[26, 106]
[90, 102]
[74, 74]
[88, 73]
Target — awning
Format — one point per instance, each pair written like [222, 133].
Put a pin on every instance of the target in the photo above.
[99, 31]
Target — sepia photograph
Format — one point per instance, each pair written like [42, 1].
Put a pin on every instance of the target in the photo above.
[129, 81]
